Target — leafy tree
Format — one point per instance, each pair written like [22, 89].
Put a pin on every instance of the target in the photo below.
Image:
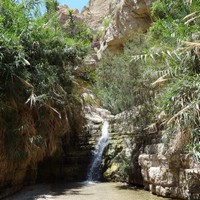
[123, 83]
[178, 32]
[167, 66]
[36, 60]
[51, 6]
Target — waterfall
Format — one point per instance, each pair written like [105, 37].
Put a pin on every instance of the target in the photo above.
[94, 173]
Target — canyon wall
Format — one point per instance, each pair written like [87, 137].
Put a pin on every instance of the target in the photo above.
[120, 21]
[113, 21]
[63, 153]
[129, 19]
[170, 173]
[53, 146]
[44, 136]
[143, 158]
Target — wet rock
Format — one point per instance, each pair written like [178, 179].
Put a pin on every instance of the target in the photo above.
[120, 158]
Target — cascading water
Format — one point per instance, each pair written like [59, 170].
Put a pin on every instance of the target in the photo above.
[94, 173]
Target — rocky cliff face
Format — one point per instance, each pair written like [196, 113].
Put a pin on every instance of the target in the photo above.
[44, 136]
[170, 173]
[63, 15]
[61, 152]
[74, 162]
[128, 19]
[141, 158]
[120, 161]
[95, 13]
[120, 21]
[116, 21]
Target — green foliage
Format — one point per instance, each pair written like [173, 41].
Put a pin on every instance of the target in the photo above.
[51, 6]
[159, 10]
[35, 50]
[126, 167]
[123, 83]
[179, 98]
[77, 29]
[36, 61]
[106, 21]
[159, 73]
[170, 21]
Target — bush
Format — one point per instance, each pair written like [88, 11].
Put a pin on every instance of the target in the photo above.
[36, 61]
[163, 77]
[178, 32]
[122, 82]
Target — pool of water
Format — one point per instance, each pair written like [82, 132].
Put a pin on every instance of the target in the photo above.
[84, 191]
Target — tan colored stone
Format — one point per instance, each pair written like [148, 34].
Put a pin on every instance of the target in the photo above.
[129, 19]
[63, 15]
[163, 177]
[93, 15]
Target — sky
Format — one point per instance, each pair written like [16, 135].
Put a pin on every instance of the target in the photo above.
[79, 4]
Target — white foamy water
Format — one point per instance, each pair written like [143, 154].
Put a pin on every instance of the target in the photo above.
[94, 173]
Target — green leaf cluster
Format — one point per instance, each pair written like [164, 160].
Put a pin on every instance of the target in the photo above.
[178, 31]
[123, 83]
[36, 50]
[37, 57]
[160, 72]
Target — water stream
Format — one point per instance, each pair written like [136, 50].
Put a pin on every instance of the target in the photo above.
[85, 190]
[94, 173]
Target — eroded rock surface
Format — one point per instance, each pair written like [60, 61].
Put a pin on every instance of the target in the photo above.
[121, 156]
[141, 158]
[117, 21]
[95, 13]
[129, 18]
[176, 176]
[64, 17]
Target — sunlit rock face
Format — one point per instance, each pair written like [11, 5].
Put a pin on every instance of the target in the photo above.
[144, 157]
[63, 15]
[95, 12]
[117, 21]
[120, 161]
[129, 18]
[177, 176]
[169, 171]
[92, 15]
[125, 19]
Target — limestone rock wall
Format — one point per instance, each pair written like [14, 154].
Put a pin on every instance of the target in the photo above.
[171, 175]
[50, 147]
[95, 13]
[121, 156]
[141, 158]
[117, 21]
[73, 163]
[44, 135]
[129, 18]
[63, 15]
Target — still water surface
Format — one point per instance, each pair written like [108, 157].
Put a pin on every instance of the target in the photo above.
[84, 191]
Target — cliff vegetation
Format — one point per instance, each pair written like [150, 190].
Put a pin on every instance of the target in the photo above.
[153, 79]
[158, 73]
[39, 108]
